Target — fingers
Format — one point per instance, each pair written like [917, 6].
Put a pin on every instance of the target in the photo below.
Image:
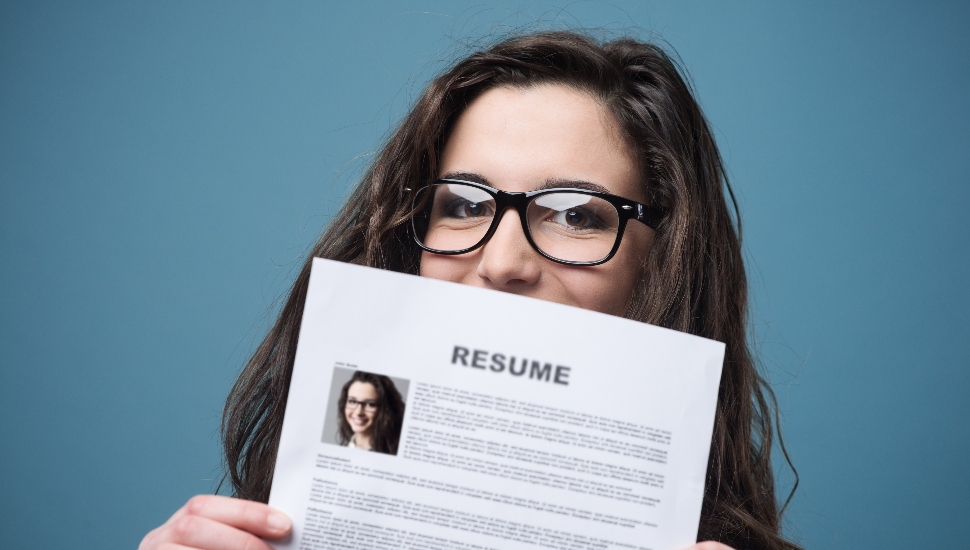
[218, 523]
[253, 517]
[199, 532]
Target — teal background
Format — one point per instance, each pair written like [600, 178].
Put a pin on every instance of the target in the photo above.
[163, 167]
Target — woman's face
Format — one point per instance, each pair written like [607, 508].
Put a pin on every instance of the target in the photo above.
[361, 407]
[527, 139]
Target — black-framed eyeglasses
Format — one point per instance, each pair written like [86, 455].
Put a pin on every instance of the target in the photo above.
[567, 225]
[369, 406]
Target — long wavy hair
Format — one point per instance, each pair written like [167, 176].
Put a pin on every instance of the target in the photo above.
[693, 279]
[387, 420]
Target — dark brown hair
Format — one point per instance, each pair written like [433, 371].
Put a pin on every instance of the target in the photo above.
[387, 420]
[693, 279]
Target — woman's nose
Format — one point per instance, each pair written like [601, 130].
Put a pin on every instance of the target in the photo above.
[507, 260]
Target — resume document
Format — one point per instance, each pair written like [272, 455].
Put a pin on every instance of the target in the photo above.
[526, 424]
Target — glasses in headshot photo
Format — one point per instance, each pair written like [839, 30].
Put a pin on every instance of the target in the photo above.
[369, 406]
[572, 226]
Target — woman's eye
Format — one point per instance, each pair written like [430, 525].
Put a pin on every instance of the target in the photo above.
[474, 209]
[465, 209]
[576, 219]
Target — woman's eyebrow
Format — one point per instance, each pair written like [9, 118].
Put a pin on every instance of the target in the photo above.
[551, 183]
[555, 183]
[467, 176]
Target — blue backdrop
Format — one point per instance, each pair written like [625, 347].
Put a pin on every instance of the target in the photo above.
[163, 168]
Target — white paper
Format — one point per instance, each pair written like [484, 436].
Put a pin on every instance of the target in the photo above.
[612, 456]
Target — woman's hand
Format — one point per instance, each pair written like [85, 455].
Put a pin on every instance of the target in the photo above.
[212, 522]
[709, 545]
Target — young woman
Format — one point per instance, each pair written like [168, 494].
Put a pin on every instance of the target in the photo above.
[544, 111]
[371, 412]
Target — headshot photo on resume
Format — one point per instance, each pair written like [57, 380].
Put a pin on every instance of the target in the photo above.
[366, 412]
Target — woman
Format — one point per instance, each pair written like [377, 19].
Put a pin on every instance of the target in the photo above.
[371, 412]
[549, 110]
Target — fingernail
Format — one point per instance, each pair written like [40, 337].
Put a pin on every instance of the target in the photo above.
[277, 521]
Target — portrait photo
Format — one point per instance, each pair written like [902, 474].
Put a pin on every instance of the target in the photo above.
[365, 411]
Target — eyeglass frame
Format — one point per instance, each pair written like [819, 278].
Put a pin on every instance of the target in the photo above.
[626, 210]
[363, 404]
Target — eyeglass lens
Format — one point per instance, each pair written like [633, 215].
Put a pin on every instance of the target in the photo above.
[573, 227]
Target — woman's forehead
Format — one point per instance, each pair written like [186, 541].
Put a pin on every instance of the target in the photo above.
[519, 138]
[362, 390]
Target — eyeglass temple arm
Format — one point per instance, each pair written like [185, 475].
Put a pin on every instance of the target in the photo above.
[648, 216]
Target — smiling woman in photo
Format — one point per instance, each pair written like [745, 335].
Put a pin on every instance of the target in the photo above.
[371, 412]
